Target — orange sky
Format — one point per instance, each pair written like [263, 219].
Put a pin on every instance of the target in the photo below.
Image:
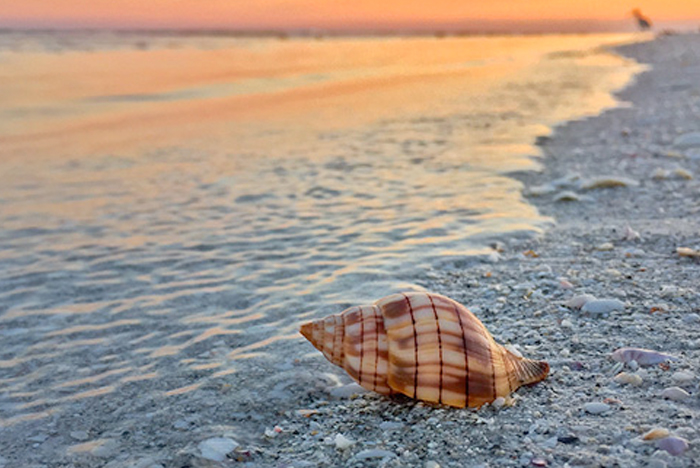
[334, 14]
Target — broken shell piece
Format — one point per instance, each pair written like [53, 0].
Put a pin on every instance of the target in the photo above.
[675, 394]
[673, 445]
[656, 433]
[596, 408]
[628, 379]
[567, 196]
[643, 357]
[425, 346]
[630, 234]
[608, 182]
[682, 173]
[602, 306]
[579, 301]
[688, 252]
[660, 174]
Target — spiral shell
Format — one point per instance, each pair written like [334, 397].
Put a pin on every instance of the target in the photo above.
[425, 346]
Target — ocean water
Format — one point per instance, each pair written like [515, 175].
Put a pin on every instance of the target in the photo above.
[161, 196]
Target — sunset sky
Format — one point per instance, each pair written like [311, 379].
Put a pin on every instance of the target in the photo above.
[345, 14]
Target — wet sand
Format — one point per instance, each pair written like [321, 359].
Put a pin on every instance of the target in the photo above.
[290, 411]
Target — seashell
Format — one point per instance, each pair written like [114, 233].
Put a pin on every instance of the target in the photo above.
[675, 394]
[673, 445]
[656, 433]
[643, 357]
[596, 408]
[688, 252]
[579, 301]
[567, 196]
[607, 182]
[628, 379]
[425, 346]
[602, 306]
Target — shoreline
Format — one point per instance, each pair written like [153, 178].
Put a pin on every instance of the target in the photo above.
[290, 411]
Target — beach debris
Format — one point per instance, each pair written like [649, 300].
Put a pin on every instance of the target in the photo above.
[660, 174]
[628, 379]
[531, 253]
[687, 140]
[688, 252]
[656, 433]
[630, 234]
[605, 247]
[673, 445]
[607, 182]
[683, 173]
[374, 453]
[682, 377]
[675, 394]
[602, 306]
[579, 301]
[539, 462]
[407, 343]
[596, 408]
[307, 413]
[431, 464]
[643, 357]
[274, 432]
[567, 196]
[342, 442]
[565, 284]
[217, 448]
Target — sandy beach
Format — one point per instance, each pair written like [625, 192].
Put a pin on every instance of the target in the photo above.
[622, 189]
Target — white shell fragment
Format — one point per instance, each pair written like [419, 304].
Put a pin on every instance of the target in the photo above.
[630, 234]
[217, 448]
[567, 196]
[675, 394]
[602, 306]
[342, 442]
[624, 378]
[596, 408]
[579, 301]
[643, 357]
[673, 445]
[608, 182]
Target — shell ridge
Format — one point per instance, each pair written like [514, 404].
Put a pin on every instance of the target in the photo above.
[362, 348]
[376, 347]
[466, 355]
[437, 324]
[415, 346]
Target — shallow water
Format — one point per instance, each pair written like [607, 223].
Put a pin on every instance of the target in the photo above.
[161, 197]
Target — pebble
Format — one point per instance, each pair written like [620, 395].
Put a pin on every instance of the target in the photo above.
[596, 408]
[390, 425]
[687, 140]
[342, 442]
[374, 453]
[628, 379]
[602, 306]
[673, 445]
[682, 377]
[675, 393]
[217, 448]
[79, 435]
[579, 301]
[605, 247]
[432, 464]
[346, 391]
[691, 318]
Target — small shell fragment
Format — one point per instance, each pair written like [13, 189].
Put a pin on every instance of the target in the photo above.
[630, 234]
[643, 357]
[681, 377]
[567, 196]
[673, 445]
[656, 433]
[628, 379]
[579, 301]
[675, 394]
[342, 442]
[602, 306]
[688, 252]
[682, 173]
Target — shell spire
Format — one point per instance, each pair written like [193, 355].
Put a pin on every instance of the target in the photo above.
[425, 346]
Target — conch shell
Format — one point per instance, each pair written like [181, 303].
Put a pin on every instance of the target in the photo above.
[425, 346]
